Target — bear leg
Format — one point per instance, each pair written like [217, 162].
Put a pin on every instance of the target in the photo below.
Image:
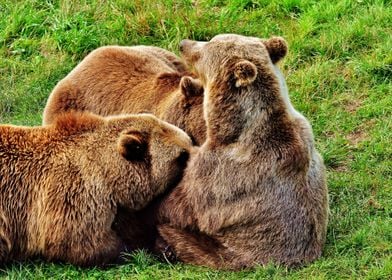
[105, 250]
[195, 248]
[86, 251]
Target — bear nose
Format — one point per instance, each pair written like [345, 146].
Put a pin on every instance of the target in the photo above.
[183, 158]
[182, 45]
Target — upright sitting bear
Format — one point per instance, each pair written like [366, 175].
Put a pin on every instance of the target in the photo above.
[116, 80]
[61, 184]
[255, 191]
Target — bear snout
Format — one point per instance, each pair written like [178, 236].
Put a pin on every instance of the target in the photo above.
[190, 48]
[183, 45]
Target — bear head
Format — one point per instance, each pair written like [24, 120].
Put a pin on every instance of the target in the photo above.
[239, 79]
[208, 57]
[186, 111]
[161, 147]
[135, 156]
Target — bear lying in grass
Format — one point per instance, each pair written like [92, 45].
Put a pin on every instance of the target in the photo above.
[116, 80]
[255, 191]
[61, 184]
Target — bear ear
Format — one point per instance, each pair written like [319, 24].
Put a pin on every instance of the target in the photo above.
[277, 48]
[191, 87]
[132, 145]
[245, 73]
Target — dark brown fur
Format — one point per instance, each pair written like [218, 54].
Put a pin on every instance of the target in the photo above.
[116, 80]
[62, 185]
[255, 191]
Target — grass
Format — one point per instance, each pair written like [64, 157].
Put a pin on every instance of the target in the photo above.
[339, 71]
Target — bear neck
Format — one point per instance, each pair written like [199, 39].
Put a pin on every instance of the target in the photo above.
[255, 114]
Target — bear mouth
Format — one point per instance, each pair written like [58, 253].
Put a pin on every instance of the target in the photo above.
[180, 165]
[182, 159]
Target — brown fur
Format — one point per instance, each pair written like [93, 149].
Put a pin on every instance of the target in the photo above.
[116, 80]
[255, 191]
[62, 185]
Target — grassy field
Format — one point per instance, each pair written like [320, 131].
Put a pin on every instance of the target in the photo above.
[339, 72]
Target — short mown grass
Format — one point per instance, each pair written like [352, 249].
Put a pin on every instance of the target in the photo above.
[339, 72]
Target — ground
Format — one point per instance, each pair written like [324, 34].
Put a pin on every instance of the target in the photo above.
[339, 72]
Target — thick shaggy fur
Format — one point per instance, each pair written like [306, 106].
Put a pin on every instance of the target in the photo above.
[116, 80]
[62, 185]
[255, 191]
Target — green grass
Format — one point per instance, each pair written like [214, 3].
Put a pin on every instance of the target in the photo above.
[339, 71]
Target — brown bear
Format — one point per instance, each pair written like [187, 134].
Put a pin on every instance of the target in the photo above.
[115, 80]
[255, 191]
[61, 184]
